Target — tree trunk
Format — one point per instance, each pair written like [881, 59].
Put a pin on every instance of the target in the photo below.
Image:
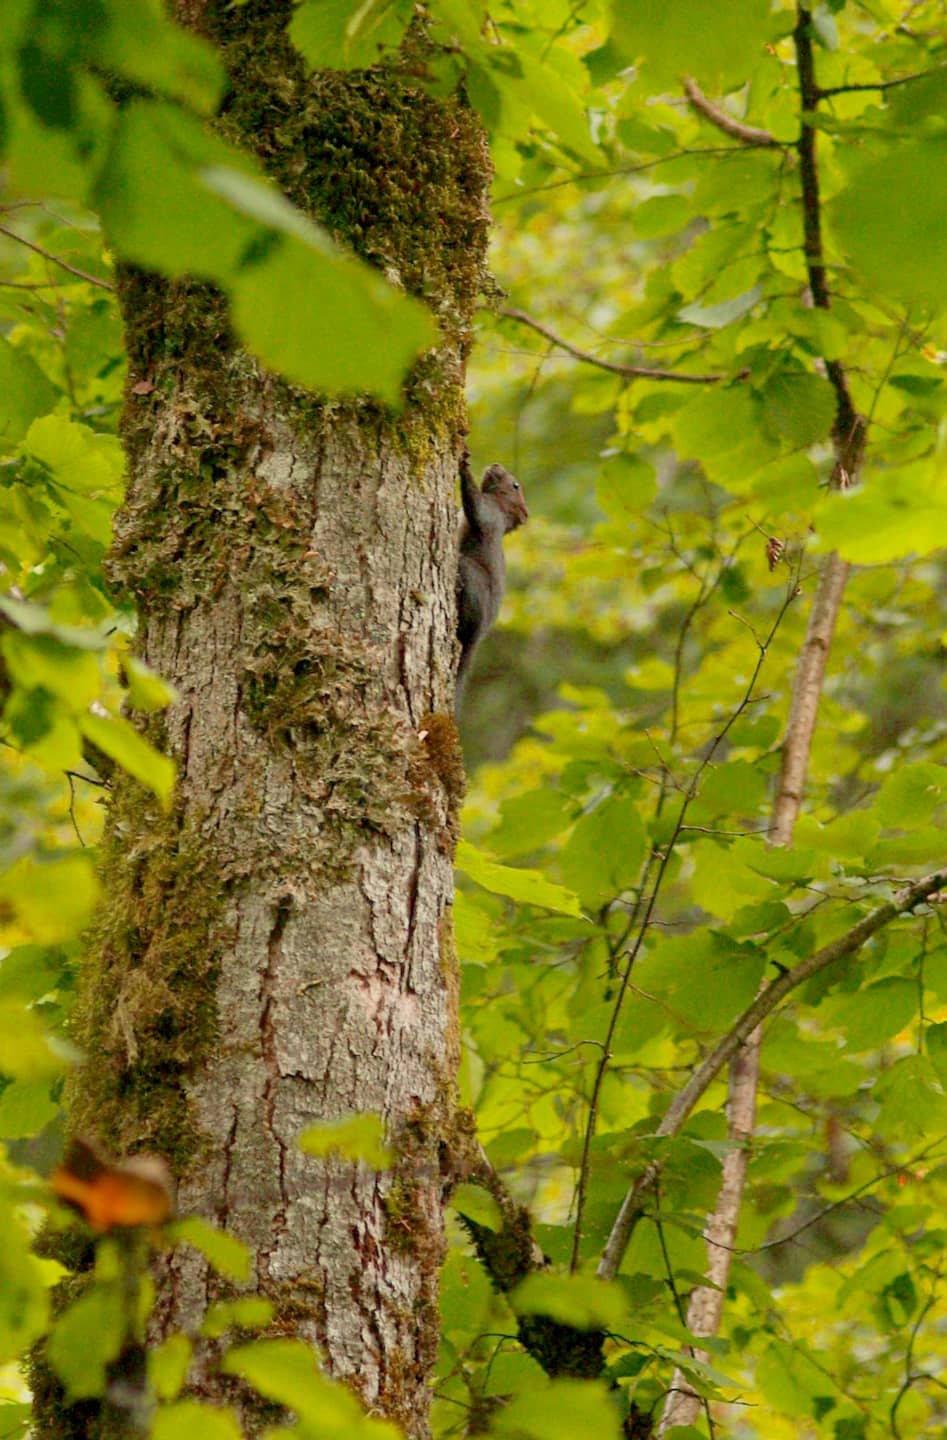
[278, 950]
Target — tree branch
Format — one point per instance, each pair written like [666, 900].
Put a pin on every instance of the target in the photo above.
[629, 372]
[848, 431]
[746, 134]
[806, 694]
[765, 1003]
[63, 264]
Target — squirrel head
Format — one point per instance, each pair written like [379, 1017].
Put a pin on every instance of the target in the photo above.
[508, 494]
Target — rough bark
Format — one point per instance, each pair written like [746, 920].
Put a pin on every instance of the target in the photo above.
[278, 949]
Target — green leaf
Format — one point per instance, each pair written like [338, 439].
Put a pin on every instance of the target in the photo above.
[119, 739]
[892, 514]
[726, 40]
[225, 1253]
[798, 408]
[146, 690]
[527, 821]
[477, 1204]
[14, 1419]
[662, 214]
[911, 1103]
[873, 1014]
[540, 91]
[84, 1340]
[604, 854]
[705, 978]
[347, 34]
[168, 1364]
[580, 1301]
[892, 219]
[527, 887]
[935, 1039]
[474, 930]
[142, 43]
[721, 428]
[251, 1312]
[26, 1108]
[911, 795]
[25, 392]
[560, 1410]
[41, 662]
[357, 1137]
[714, 317]
[78, 457]
[53, 895]
[188, 1419]
[23, 1297]
[35, 619]
[346, 331]
[158, 152]
[286, 1371]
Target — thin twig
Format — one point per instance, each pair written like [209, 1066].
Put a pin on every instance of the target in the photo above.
[746, 134]
[55, 259]
[628, 372]
[645, 165]
[875, 85]
[769, 998]
[32, 285]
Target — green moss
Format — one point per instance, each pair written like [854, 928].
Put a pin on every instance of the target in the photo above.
[146, 1016]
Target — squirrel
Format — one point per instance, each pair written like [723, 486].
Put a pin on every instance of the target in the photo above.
[491, 511]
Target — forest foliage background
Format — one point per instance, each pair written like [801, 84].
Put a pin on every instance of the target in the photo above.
[678, 317]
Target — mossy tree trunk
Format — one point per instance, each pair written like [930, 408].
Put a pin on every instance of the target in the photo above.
[278, 950]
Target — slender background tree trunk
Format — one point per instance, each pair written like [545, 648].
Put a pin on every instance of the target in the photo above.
[278, 950]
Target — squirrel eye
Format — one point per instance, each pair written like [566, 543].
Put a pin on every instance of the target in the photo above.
[516, 484]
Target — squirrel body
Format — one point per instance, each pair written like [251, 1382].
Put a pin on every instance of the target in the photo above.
[491, 511]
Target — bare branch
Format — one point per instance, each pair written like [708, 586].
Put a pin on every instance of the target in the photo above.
[55, 259]
[746, 134]
[629, 372]
[769, 998]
